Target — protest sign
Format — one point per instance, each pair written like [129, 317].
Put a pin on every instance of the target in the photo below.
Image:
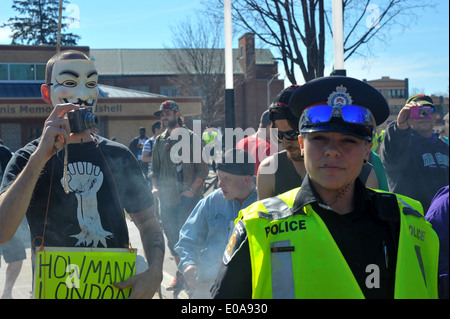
[83, 273]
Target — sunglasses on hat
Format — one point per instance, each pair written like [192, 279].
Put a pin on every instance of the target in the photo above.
[351, 114]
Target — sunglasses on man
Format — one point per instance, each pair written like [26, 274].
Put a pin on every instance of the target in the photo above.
[290, 135]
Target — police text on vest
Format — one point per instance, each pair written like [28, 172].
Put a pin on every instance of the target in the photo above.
[286, 226]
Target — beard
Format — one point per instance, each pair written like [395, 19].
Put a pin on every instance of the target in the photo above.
[294, 154]
[169, 124]
[172, 124]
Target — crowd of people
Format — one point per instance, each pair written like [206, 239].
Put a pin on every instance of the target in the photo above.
[308, 207]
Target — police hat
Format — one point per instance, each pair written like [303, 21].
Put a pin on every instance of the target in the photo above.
[340, 89]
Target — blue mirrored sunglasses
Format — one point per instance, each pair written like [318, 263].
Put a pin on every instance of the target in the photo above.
[352, 114]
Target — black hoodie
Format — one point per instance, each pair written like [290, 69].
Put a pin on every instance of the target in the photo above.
[415, 166]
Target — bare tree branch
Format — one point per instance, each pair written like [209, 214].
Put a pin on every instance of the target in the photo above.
[297, 27]
[199, 60]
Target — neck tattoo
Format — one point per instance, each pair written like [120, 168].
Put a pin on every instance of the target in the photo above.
[341, 193]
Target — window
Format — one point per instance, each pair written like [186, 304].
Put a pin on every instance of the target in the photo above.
[404, 93]
[143, 88]
[169, 90]
[22, 72]
[397, 93]
[392, 93]
[40, 72]
[3, 72]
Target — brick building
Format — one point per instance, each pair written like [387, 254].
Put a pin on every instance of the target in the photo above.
[23, 112]
[132, 85]
[396, 92]
[151, 70]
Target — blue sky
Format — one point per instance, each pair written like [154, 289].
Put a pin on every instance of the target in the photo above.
[420, 53]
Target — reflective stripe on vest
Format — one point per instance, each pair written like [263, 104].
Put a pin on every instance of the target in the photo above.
[418, 254]
[295, 256]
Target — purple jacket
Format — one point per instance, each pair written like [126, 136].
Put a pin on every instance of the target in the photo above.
[437, 215]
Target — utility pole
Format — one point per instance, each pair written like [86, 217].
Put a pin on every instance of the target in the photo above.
[338, 38]
[58, 41]
[229, 89]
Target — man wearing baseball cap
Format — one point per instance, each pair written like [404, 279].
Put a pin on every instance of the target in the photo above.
[206, 232]
[332, 237]
[415, 159]
[177, 180]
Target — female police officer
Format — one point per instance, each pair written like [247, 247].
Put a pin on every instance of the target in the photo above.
[332, 237]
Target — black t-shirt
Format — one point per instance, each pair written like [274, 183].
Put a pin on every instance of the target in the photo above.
[286, 176]
[104, 178]
[5, 156]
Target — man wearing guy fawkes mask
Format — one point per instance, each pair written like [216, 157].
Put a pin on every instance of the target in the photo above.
[103, 180]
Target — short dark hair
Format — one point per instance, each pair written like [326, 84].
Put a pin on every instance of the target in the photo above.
[264, 121]
[62, 55]
[156, 126]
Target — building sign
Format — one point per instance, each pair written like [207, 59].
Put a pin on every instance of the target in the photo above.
[120, 109]
[105, 109]
[32, 110]
[44, 110]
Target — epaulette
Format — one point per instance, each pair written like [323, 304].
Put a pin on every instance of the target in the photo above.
[236, 241]
[276, 209]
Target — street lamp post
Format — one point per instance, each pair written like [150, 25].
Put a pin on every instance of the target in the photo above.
[268, 89]
[338, 38]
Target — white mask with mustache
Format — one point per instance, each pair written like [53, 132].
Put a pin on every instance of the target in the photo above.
[74, 81]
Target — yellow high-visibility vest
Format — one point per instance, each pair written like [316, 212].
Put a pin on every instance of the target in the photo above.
[295, 256]
[209, 137]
